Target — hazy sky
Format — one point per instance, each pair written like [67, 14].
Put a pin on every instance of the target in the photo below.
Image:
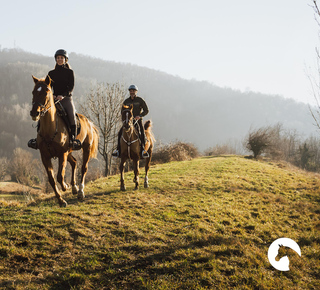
[260, 45]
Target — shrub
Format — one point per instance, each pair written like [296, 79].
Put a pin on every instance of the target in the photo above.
[22, 167]
[220, 150]
[258, 141]
[178, 151]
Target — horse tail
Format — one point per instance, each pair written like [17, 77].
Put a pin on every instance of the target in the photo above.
[147, 127]
[95, 142]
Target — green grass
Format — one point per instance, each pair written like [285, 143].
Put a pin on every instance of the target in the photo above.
[202, 224]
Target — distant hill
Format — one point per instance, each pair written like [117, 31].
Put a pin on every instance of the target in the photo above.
[186, 110]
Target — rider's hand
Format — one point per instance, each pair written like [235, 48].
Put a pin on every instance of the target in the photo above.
[59, 98]
[137, 118]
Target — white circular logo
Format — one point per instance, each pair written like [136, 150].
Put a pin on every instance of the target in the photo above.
[279, 251]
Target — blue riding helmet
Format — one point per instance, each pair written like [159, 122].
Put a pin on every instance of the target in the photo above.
[133, 87]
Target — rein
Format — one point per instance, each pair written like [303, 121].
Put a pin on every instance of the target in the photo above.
[129, 143]
[43, 107]
[42, 113]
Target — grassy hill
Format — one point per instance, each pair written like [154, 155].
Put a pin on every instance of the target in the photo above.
[202, 224]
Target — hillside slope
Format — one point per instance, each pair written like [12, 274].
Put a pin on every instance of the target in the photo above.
[187, 110]
[205, 223]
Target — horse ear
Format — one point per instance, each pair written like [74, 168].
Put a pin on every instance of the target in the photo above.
[35, 79]
[48, 80]
[131, 107]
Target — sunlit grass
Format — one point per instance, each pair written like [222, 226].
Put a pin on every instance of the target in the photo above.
[202, 224]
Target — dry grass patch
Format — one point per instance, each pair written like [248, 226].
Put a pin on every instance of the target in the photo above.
[203, 224]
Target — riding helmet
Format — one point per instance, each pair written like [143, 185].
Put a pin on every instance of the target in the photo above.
[61, 52]
[133, 87]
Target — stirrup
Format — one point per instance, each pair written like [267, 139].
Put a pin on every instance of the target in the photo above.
[32, 143]
[115, 153]
[144, 154]
[76, 144]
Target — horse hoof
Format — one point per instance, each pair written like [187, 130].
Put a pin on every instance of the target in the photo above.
[75, 189]
[63, 203]
[123, 188]
[146, 185]
[65, 186]
[81, 196]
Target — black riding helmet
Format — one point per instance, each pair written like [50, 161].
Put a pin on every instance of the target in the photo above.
[61, 52]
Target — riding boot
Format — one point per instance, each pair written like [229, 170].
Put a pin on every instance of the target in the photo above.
[32, 143]
[144, 153]
[75, 143]
[116, 153]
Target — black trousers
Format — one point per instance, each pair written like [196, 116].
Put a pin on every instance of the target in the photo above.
[68, 105]
[142, 134]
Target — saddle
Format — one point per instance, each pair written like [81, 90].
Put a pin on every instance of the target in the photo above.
[63, 114]
[138, 129]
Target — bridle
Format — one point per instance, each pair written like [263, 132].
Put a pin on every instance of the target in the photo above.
[131, 125]
[43, 108]
[127, 119]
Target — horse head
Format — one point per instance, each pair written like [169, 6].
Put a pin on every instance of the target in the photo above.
[127, 116]
[41, 97]
[281, 252]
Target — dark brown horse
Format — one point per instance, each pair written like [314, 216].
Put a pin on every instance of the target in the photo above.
[131, 148]
[53, 139]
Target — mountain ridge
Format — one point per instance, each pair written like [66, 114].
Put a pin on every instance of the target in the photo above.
[188, 110]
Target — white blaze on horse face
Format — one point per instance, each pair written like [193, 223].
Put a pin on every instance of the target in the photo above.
[127, 117]
[39, 89]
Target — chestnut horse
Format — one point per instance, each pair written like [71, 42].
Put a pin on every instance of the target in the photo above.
[131, 148]
[53, 139]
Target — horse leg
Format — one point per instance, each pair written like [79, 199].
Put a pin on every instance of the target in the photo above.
[73, 163]
[84, 170]
[49, 168]
[136, 173]
[121, 167]
[148, 161]
[62, 171]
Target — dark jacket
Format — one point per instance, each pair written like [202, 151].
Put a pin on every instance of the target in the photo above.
[63, 80]
[140, 107]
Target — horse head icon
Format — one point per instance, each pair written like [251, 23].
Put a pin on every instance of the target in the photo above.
[280, 251]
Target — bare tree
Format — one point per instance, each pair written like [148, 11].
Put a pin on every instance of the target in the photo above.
[102, 106]
[3, 167]
[258, 140]
[315, 80]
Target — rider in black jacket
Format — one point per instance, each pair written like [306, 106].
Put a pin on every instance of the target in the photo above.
[62, 85]
[140, 109]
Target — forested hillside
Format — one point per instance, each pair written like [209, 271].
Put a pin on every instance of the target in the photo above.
[186, 110]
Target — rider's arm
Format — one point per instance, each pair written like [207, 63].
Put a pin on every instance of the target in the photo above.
[145, 109]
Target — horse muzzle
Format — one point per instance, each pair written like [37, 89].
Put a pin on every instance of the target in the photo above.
[35, 115]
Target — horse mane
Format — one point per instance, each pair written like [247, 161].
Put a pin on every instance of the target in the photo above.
[125, 107]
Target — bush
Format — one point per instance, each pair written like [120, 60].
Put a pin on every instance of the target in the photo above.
[220, 150]
[22, 167]
[258, 141]
[178, 151]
